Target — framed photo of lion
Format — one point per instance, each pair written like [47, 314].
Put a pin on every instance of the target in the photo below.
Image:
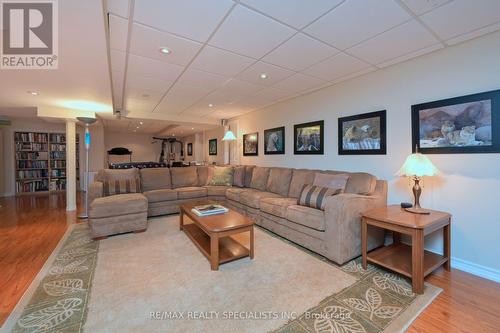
[363, 134]
[459, 125]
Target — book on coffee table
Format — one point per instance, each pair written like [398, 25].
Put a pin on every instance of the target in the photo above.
[212, 209]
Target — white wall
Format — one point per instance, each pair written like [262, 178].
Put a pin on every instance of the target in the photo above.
[216, 133]
[143, 150]
[470, 185]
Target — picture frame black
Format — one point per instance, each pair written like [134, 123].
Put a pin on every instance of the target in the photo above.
[280, 132]
[382, 131]
[189, 149]
[212, 147]
[251, 140]
[297, 150]
[492, 101]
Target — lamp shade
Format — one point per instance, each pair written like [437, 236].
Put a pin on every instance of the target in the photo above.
[229, 136]
[418, 165]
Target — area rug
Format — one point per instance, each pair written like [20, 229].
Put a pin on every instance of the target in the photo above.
[158, 281]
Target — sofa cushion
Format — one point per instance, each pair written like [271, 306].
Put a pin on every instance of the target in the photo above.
[252, 198]
[279, 181]
[221, 176]
[300, 177]
[361, 183]
[121, 186]
[248, 174]
[234, 193]
[335, 181]
[314, 196]
[203, 171]
[161, 195]
[155, 179]
[191, 192]
[306, 216]
[219, 191]
[259, 178]
[119, 174]
[184, 177]
[116, 205]
[239, 176]
[276, 206]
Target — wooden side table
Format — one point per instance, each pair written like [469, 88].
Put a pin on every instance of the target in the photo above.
[410, 260]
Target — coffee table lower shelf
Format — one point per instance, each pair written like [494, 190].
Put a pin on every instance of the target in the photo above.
[397, 257]
[229, 249]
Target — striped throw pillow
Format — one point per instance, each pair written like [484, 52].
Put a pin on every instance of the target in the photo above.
[121, 186]
[314, 196]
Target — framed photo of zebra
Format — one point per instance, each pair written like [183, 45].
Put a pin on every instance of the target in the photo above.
[363, 134]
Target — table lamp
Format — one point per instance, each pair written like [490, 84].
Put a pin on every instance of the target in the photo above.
[417, 166]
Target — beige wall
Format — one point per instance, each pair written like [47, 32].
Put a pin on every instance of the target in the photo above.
[29, 125]
[469, 187]
[217, 133]
[190, 139]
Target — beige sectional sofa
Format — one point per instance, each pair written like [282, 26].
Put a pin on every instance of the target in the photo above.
[267, 195]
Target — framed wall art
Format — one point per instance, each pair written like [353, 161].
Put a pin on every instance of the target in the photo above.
[466, 124]
[189, 149]
[274, 141]
[308, 138]
[212, 147]
[363, 134]
[251, 144]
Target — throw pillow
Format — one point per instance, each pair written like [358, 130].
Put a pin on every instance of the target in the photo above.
[121, 186]
[335, 181]
[314, 196]
[223, 176]
[239, 176]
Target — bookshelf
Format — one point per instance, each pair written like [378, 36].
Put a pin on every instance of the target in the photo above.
[41, 162]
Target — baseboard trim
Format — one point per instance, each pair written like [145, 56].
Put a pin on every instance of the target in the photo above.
[475, 269]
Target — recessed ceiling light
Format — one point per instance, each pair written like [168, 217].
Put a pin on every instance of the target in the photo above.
[164, 50]
[137, 127]
[146, 95]
[263, 76]
[34, 93]
[141, 122]
[192, 128]
[210, 105]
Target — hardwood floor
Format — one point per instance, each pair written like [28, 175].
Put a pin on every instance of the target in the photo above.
[30, 228]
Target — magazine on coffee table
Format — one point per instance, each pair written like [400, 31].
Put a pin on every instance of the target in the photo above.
[212, 209]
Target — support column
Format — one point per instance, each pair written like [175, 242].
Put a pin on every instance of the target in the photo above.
[70, 165]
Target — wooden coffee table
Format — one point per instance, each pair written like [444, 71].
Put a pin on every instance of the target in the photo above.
[211, 234]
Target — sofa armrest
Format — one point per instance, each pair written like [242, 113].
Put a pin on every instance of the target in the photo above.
[96, 190]
[343, 224]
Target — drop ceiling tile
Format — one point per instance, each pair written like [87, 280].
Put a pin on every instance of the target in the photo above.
[139, 105]
[153, 68]
[147, 42]
[249, 33]
[357, 20]
[188, 18]
[476, 33]
[298, 83]
[419, 7]
[117, 60]
[237, 89]
[118, 31]
[336, 67]
[214, 60]
[462, 16]
[118, 7]
[199, 78]
[180, 97]
[300, 52]
[406, 38]
[138, 93]
[411, 55]
[271, 94]
[274, 74]
[297, 13]
[147, 82]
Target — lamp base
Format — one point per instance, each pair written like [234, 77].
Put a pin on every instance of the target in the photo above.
[417, 210]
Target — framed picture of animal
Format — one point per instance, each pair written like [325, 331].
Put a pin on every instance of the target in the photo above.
[251, 144]
[459, 125]
[212, 147]
[190, 149]
[274, 141]
[363, 134]
[309, 138]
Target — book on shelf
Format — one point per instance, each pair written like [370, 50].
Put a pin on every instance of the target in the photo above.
[211, 209]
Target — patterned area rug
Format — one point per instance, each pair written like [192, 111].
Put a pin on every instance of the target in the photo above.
[378, 301]
[59, 303]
